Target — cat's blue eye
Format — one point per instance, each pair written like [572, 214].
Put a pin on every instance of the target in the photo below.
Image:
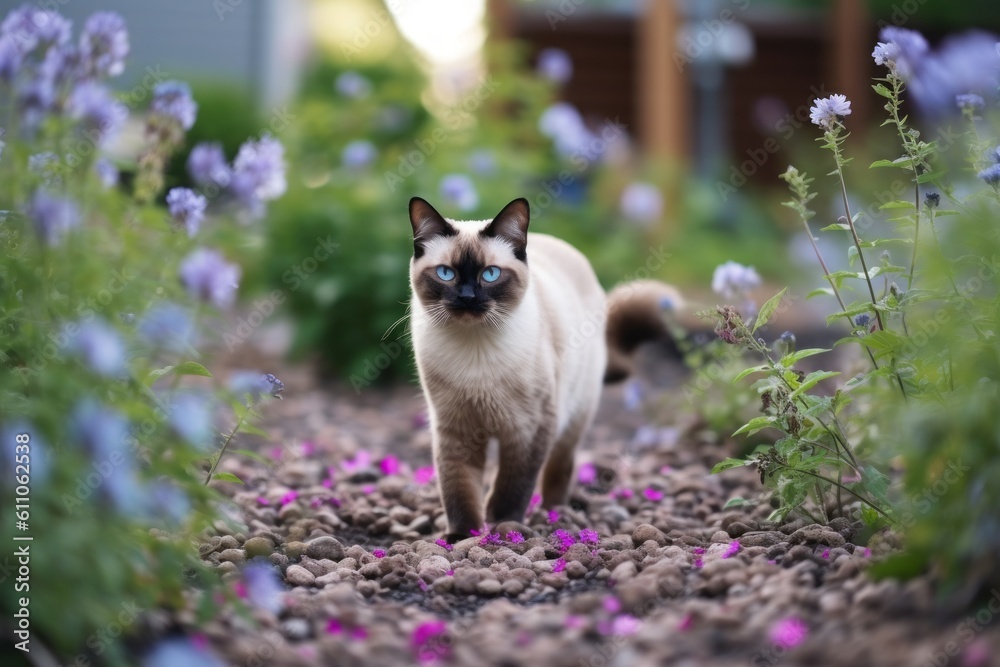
[446, 272]
[491, 273]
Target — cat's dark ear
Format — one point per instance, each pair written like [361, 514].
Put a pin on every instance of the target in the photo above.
[427, 223]
[511, 224]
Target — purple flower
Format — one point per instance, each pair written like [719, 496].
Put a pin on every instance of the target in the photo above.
[264, 588]
[970, 102]
[207, 276]
[482, 162]
[166, 326]
[172, 99]
[515, 537]
[10, 58]
[789, 633]
[490, 539]
[187, 208]
[30, 27]
[358, 154]
[733, 280]
[207, 165]
[563, 540]
[353, 85]
[900, 50]
[99, 345]
[100, 115]
[104, 44]
[190, 416]
[427, 642]
[991, 175]
[963, 64]
[589, 536]
[862, 320]
[256, 384]
[261, 164]
[555, 65]
[180, 651]
[107, 172]
[642, 202]
[563, 124]
[587, 473]
[389, 465]
[828, 111]
[458, 191]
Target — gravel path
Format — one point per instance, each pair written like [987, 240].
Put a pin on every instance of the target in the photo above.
[648, 568]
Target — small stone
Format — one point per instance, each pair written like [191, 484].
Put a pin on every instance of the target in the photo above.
[296, 629]
[233, 556]
[737, 529]
[624, 571]
[258, 546]
[294, 550]
[576, 570]
[760, 538]
[489, 587]
[645, 532]
[229, 542]
[325, 547]
[367, 587]
[299, 576]
[512, 587]
[466, 580]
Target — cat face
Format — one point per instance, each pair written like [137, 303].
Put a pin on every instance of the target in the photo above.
[469, 272]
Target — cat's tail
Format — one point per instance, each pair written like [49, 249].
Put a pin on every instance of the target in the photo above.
[636, 314]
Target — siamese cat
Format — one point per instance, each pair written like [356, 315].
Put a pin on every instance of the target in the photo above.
[513, 336]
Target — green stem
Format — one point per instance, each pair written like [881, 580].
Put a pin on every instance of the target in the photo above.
[839, 486]
[229, 438]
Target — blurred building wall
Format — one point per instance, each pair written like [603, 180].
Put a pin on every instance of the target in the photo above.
[258, 44]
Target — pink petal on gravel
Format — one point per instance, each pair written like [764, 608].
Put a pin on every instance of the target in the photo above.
[789, 633]
[289, 497]
[423, 475]
[262, 501]
[686, 623]
[559, 565]
[307, 448]
[553, 516]
[732, 549]
[611, 605]
[652, 494]
[573, 621]
[333, 627]
[587, 473]
[625, 624]
[389, 465]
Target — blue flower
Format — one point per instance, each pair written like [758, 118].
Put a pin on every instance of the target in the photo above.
[259, 174]
[829, 110]
[970, 102]
[46, 165]
[459, 191]
[187, 208]
[207, 165]
[10, 58]
[733, 280]
[353, 85]
[101, 116]
[642, 202]
[991, 175]
[101, 430]
[104, 44]
[167, 501]
[53, 216]
[256, 384]
[180, 651]
[358, 154]
[264, 588]
[190, 416]
[172, 99]
[862, 321]
[30, 27]
[99, 345]
[901, 50]
[555, 65]
[932, 200]
[482, 162]
[964, 64]
[107, 172]
[563, 124]
[207, 276]
[167, 326]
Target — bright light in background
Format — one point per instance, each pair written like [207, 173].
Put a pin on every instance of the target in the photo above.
[447, 32]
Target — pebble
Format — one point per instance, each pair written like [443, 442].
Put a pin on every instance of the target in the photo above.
[258, 546]
[299, 576]
[325, 547]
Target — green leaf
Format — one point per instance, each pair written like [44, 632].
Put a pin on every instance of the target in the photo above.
[811, 381]
[734, 502]
[930, 176]
[728, 464]
[157, 374]
[756, 424]
[799, 355]
[899, 203]
[192, 368]
[878, 164]
[247, 427]
[749, 371]
[882, 90]
[767, 310]
[827, 291]
[841, 226]
[227, 477]
[882, 343]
